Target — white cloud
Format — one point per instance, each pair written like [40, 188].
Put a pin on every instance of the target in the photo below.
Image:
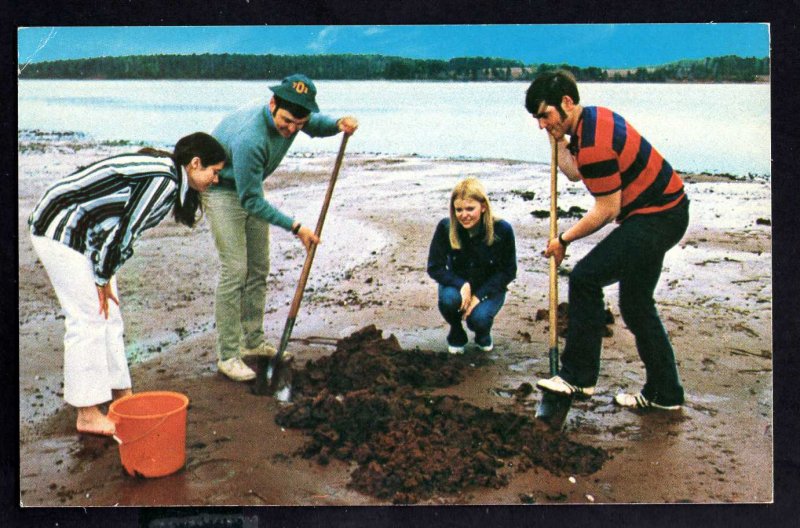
[325, 39]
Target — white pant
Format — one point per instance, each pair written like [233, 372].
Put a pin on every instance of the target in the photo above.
[94, 353]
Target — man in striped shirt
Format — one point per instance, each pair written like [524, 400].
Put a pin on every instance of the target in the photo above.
[635, 186]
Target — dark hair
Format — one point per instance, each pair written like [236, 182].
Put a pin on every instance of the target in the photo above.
[551, 87]
[296, 110]
[210, 152]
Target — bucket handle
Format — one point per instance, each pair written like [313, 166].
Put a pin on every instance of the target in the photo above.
[146, 433]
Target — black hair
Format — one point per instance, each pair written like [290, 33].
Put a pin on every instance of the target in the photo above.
[296, 110]
[210, 152]
[551, 87]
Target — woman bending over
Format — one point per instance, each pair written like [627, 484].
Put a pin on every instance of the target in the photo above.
[84, 228]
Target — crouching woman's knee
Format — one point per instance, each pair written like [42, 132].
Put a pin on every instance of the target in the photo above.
[480, 322]
[449, 299]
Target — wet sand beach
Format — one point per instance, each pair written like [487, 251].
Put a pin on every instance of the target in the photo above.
[715, 299]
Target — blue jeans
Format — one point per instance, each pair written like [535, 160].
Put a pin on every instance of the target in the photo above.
[242, 242]
[479, 321]
[633, 255]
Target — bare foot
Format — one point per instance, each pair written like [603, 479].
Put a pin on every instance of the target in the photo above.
[120, 393]
[92, 421]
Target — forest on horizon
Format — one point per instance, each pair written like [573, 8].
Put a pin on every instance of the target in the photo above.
[730, 68]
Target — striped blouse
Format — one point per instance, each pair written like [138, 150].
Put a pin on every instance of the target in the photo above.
[613, 156]
[100, 210]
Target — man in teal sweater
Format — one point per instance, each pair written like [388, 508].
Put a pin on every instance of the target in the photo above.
[256, 139]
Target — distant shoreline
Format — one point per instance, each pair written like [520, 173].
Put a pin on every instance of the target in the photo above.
[350, 67]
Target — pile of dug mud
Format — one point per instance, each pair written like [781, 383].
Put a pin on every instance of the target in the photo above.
[369, 402]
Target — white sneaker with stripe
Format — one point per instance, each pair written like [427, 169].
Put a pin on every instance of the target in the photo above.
[638, 401]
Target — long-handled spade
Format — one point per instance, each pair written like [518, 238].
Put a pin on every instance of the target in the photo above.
[553, 408]
[274, 376]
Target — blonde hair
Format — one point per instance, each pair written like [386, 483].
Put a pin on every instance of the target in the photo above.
[471, 189]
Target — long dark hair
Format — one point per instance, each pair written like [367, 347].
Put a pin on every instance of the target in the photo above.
[199, 145]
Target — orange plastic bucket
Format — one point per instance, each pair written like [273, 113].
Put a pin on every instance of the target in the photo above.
[151, 432]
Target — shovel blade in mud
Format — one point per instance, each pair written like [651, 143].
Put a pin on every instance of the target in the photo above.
[274, 378]
[553, 410]
[261, 385]
[280, 380]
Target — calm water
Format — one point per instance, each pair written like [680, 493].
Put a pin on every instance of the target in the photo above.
[697, 127]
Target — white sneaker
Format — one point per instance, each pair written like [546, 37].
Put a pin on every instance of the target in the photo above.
[235, 369]
[455, 349]
[557, 385]
[263, 349]
[637, 401]
[487, 348]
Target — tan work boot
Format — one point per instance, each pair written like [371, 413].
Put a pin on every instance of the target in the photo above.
[262, 350]
[235, 369]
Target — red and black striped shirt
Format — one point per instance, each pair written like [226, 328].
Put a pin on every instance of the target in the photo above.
[612, 156]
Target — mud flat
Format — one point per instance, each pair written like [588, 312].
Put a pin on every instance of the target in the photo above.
[364, 403]
[715, 298]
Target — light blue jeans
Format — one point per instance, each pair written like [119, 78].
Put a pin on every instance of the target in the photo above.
[242, 242]
[479, 321]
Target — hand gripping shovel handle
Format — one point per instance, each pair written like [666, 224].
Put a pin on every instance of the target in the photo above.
[270, 375]
[553, 408]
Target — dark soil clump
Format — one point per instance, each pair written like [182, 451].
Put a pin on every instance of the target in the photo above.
[367, 403]
[572, 212]
[365, 360]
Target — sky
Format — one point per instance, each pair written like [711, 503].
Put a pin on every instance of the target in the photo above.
[602, 45]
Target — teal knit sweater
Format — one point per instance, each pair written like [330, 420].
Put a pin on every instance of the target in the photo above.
[254, 149]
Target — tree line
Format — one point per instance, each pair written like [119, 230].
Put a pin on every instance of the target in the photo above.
[729, 68]
[379, 67]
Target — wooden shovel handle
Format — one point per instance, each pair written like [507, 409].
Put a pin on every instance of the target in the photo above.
[301, 285]
[553, 265]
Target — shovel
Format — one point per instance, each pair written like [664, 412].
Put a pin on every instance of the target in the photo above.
[273, 375]
[553, 408]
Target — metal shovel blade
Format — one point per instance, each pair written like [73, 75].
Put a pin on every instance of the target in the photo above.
[553, 410]
[261, 385]
[279, 375]
[274, 378]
